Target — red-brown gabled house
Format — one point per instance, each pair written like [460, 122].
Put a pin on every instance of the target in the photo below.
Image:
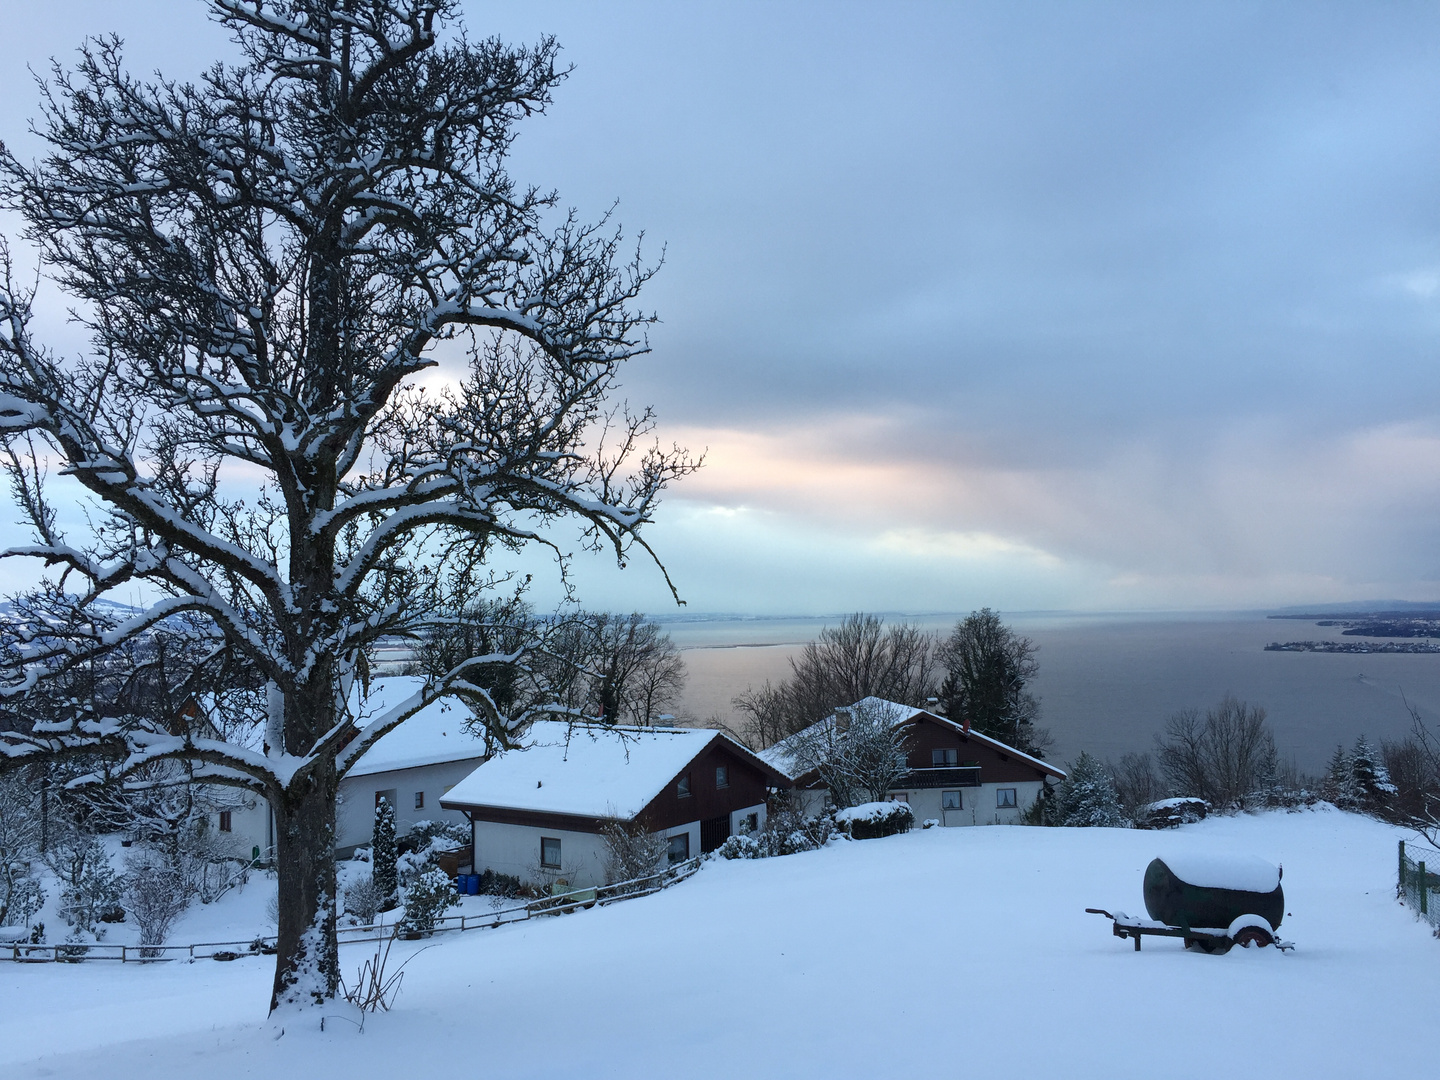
[538, 812]
[953, 776]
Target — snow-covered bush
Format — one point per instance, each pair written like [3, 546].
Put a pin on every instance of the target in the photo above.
[425, 834]
[787, 831]
[1170, 813]
[420, 848]
[362, 900]
[507, 885]
[154, 896]
[382, 848]
[930, 823]
[1087, 796]
[871, 820]
[360, 854]
[742, 846]
[429, 896]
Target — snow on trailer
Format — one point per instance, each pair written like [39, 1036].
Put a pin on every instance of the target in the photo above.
[1212, 901]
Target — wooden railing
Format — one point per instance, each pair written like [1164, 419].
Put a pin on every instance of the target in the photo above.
[560, 904]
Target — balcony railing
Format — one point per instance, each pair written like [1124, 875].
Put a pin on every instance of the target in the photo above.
[942, 776]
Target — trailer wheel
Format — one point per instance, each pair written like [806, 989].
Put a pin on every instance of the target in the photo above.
[1253, 935]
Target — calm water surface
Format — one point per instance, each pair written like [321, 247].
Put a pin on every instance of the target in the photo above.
[1107, 682]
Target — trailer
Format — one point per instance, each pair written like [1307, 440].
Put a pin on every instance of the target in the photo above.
[1211, 902]
[1246, 930]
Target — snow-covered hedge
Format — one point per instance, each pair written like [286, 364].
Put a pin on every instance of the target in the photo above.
[874, 819]
[1169, 813]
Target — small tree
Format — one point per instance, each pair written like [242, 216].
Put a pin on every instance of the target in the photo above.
[631, 851]
[429, 896]
[1087, 796]
[383, 856]
[1136, 783]
[21, 896]
[1224, 757]
[859, 752]
[362, 899]
[154, 896]
[1369, 779]
[1339, 783]
[860, 658]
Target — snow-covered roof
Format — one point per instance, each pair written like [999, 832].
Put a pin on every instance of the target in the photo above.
[783, 754]
[433, 735]
[582, 770]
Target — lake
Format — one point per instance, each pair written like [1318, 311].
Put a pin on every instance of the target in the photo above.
[1107, 682]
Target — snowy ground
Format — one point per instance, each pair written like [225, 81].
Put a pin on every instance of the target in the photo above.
[939, 953]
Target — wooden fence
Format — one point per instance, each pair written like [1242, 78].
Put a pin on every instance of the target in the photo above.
[560, 904]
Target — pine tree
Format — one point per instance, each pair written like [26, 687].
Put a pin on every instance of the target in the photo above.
[1087, 796]
[1339, 783]
[382, 856]
[1369, 779]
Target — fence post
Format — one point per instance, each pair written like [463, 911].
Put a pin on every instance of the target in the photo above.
[1402, 870]
[1424, 891]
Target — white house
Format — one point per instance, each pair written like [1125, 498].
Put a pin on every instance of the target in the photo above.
[411, 766]
[538, 812]
[954, 776]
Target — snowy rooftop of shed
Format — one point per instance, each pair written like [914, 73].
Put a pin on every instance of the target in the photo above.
[580, 770]
[432, 736]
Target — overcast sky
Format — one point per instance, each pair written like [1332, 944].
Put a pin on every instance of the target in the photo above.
[1029, 305]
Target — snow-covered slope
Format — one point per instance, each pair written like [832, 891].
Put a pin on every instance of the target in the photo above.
[939, 953]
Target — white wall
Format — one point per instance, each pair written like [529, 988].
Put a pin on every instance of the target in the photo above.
[977, 804]
[515, 849]
[355, 809]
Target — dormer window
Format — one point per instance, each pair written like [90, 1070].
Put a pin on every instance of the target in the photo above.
[682, 787]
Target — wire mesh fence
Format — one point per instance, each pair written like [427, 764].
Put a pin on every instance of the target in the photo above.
[1419, 885]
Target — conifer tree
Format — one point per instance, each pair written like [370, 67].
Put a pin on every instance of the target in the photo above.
[382, 856]
[1339, 782]
[1087, 796]
[1369, 779]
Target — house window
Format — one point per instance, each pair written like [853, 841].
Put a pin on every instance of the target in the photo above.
[722, 776]
[898, 796]
[950, 800]
[750, 823]
[679, 847]
[944, 759]
[682, 787]
[902, 761]
[419, 800]
[550, 852]
[1005, 797]
[224, 820]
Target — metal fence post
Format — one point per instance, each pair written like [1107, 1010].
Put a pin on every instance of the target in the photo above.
[1424, 890]
[1402, 869]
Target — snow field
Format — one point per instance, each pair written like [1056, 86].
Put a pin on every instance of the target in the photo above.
[941, 952]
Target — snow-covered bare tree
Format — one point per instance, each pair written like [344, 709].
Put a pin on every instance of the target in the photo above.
[267, 262]
[859, 751]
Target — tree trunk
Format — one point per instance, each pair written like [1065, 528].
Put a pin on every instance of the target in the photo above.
[307, 963]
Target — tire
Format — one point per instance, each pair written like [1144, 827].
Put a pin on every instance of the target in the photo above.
[1253, 935]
